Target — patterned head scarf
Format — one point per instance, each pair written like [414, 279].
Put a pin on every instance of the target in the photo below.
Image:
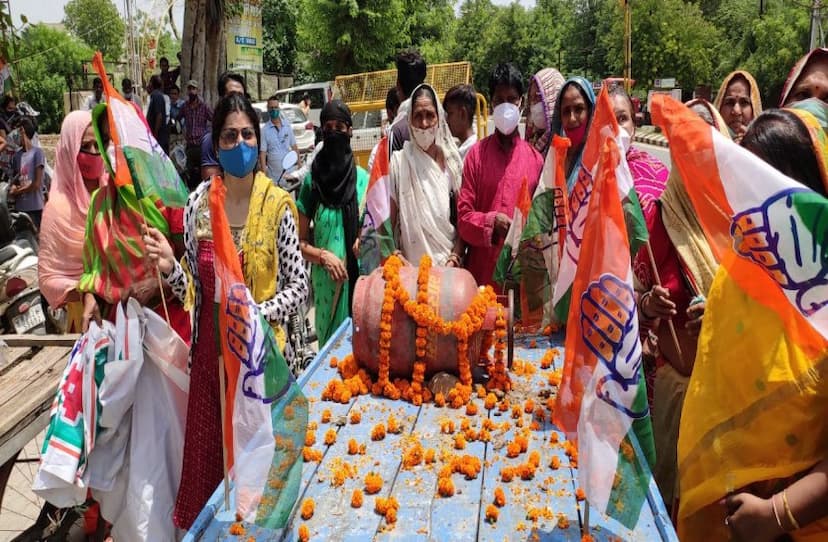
[64, 216]
[557, 124]
[548, 81]
[796, 72]
[755, 98]
[814, 114]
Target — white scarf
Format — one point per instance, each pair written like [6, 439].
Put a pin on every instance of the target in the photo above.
[424, 205]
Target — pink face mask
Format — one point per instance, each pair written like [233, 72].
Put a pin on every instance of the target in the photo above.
[91, 165]
[576, 135]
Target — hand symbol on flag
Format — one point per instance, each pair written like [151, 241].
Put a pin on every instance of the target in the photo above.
[559, 207]
[578, 206]
[786, 236]
[610, 331]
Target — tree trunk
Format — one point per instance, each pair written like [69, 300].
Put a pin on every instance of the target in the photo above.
[203, 47]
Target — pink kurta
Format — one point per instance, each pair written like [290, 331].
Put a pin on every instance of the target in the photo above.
[492, 177]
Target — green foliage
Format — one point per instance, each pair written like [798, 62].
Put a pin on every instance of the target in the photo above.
[431, 29]
[684, 51]
[766, 46]
[98, 24]
[46, 56]
[349, 36]
[279, 18]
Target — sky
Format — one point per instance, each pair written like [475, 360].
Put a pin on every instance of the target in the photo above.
[51, 11]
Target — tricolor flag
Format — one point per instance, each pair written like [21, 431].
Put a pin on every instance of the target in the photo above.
[533, 261]
[603, 126]
[754, 413]
[266, 414]
[507, 267]
[146, 189]
[602, 399]
[376, 238]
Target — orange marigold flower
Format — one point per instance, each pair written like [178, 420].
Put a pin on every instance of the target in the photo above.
[533, 343]
[413, 456]
[586, 537]
[492, 513]
[439, 399]
[446, 426]
[445, 487]
[307, 508]
[526, 471]
[391, 515]
[499, 497]
[310, 438]
[555, 378]
[529, 406]
[471, 409]
[484, 435]
[429, 456]
[534, 458]
[304, 533]
[513, 449]
[393, 425]
[516, 411]
[313, 426]
[373, 483]
[311, 455]
[555, 464]
[334, 362]
[326, 416]
[353, 447]
[491, 401]
[330, 437]
[481, 391]
[554, 438]
[237, 529]
[356, 498]
[459, 441]
[503, 406]
[532, 514]
[378, 432]
[579, 494]
[523, 442]
[563, 522]
[507, 474]
[356, 416]
[380, 505]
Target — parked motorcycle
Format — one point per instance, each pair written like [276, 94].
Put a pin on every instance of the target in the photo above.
[21, 310]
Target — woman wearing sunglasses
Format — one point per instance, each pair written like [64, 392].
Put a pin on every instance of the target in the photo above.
[263, 221]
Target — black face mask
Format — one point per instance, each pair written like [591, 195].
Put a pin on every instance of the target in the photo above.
[338, 143]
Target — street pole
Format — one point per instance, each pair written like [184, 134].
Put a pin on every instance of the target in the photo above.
[816, 25]
[627, 45]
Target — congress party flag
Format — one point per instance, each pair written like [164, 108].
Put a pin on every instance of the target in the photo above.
[755, 406]
[266, 414]
[602, 400]
[603, 126]
[376, 238]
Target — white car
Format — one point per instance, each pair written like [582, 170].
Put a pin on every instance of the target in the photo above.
[302, 128]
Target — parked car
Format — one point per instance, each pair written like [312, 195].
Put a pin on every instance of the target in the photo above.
[319, 94]
[302, 128]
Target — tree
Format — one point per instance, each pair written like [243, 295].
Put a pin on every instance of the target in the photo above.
[98, 24]
[46, 57]
[766, 46]
[477, 17]
[204, 50]
[349, 37]
[432, 29]
[279, 19]
[662, 48]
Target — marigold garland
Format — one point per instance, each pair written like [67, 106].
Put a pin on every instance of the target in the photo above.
[498, 377]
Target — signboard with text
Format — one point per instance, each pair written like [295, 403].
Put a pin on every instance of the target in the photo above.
[244, 35]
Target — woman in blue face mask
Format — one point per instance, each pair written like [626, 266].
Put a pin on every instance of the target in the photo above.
[262, 220]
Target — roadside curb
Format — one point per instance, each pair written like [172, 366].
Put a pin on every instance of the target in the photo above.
[652, 138]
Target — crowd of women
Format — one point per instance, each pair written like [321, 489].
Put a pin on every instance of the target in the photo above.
[451, 199]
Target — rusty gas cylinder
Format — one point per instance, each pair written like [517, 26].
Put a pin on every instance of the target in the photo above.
[450, 292]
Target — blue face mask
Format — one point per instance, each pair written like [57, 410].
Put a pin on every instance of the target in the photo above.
[274, 114]
[240, 160]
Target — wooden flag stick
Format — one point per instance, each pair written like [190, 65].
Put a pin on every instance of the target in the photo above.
[223, 406]
[586, 517]
[157, 271]
[658, 282]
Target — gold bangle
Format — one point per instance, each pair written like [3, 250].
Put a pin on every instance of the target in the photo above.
[788, 512]
[776, 513]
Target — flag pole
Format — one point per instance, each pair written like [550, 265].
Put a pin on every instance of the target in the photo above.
[223, 406]
[586, 517]
[658, 283]
[157, 270]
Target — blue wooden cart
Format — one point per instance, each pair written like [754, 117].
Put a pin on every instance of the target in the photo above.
[423, 515]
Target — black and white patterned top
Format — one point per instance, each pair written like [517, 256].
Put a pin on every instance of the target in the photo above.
[292, 282]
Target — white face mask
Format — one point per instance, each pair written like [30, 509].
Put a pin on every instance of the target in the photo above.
[506, 118]
[424, 138]
[538, 115]
[626, 140]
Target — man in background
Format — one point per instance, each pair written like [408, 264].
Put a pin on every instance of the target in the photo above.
[128, 92]
[198, 118]
[97, 96]
[168, 77]
[460, 104]
[157, 113]
[228, 83]
[411, 72]
[277, 140]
